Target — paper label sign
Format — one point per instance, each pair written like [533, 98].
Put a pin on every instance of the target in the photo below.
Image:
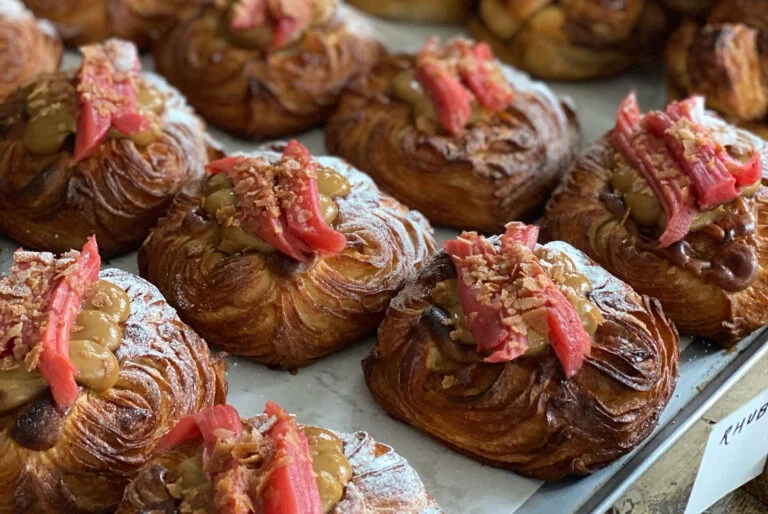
[735, 454]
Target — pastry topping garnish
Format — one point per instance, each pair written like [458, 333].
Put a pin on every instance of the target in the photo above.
[219, 427]
[106, 95]
[456, 74]
[291, 488]
[39, 302]
[280, 203]
[272, 468]
[502, 286]
[680, 157]
[287, 19]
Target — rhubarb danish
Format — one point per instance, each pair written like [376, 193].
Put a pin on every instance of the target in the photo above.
[673, 202]
[266, 69]
[216, 462]
[726, 60]
[82, 22]
[572, 39]
[100, 151]
[523, 356]
[94, 369]
[28, 47]
[284, 259]
[452, 133]
[425, 11]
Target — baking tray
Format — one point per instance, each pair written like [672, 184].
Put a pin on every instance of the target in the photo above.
[332, 392]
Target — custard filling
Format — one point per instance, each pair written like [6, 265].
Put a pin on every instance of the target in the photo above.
[95, 338]
[105, 99]
[643, 205]
[450, 86]
[562, 269]
[332, 469]
[271, 197]
[270, 462]
[266, 26]
[51, 110]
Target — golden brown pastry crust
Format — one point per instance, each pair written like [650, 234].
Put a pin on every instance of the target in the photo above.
[90, 21]
[28, 47]
[576, 39]
[578, 214]
[726, 59]
[425, 11]
[50, 202]
[382, 481]
[256, 96]
[499, 169]
[272, 309]
[165, 374]
[530, 419]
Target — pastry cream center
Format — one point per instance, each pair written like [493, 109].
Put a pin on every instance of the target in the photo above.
[561, 268]
[94, 339]
[220, 204]
[51, 109]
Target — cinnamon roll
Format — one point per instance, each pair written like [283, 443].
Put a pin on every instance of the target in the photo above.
[673, 202]
[526, 357]
[216, 462]
[423, 11]
[259, 70]
[572, 39]
[452, 133]
[95, 367]
[28, 47]
[726, 60]
[98, 151]
[284, 258]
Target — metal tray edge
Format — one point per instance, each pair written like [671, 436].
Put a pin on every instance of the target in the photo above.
[675, 428]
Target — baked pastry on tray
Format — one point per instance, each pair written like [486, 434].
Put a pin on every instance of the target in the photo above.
[94, 369]
[28, 47]
[284, 258]
[572, 39]
[425, 11]
[215, 462]
[266, 69]
[673, 203]
[452, 133]
[726, 60]
[82, 22]
[526, 357]
[98, 151]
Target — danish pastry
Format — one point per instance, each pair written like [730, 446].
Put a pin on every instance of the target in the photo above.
[258, 71]
[572, 39]
[82, 22]
[94, 369]
[725, 59]
[673, 203]
[526, 357]
[450, 132]
[215, 462]
[100, 151]
[28, 47]
[284, 258]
